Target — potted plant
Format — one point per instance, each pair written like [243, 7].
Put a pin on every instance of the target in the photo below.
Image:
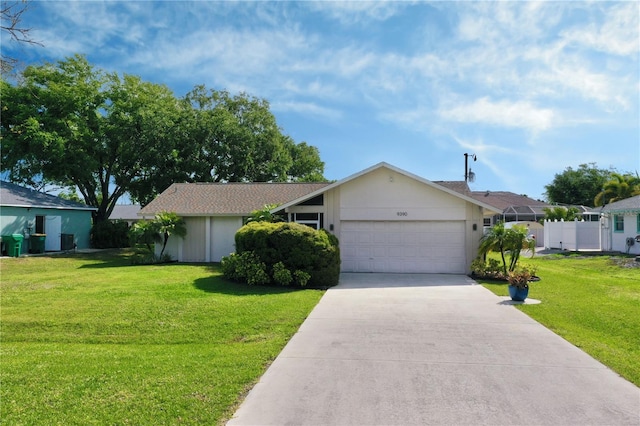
[519, 280]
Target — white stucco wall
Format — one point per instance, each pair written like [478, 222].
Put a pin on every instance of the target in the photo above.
[223, 231]
[384, 195]
[208, 239]
[618, 240]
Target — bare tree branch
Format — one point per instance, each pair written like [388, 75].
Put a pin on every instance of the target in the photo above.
[11, 16]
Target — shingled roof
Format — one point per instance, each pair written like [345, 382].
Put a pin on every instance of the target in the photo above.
[225, 199]
[631, 204]
[504, 199]
[459, 186]
[12, 195]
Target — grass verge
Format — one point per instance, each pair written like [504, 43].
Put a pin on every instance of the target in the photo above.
[591, 301]
[90, 339]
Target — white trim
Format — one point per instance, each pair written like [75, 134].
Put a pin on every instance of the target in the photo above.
[207, 239]
[49, 207]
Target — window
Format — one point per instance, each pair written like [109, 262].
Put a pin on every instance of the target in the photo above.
[313, 220]
[40, 225]
[315, 201]
[487, 221]
[638, 223]
[618, 223]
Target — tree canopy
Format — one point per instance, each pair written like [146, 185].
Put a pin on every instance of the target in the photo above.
[74, 125]
[620, 186]
[577, 186]
[561, 213]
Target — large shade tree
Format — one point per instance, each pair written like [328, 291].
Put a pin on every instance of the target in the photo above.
[105, 135]
[77, 126]
[577, 186]
[238, 139]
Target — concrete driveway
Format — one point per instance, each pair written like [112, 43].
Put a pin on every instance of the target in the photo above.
[386, 349]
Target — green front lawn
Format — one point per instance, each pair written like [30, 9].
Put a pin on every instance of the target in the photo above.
[593, 302]
[89, 339]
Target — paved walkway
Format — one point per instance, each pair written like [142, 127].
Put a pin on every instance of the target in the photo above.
[384, 349]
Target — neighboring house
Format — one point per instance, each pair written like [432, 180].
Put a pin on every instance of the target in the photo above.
[621, 226]
[386, 219]
[513, 207]
[126, 212]
[25, 211]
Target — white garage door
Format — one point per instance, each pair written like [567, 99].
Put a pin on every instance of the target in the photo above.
[406, 247]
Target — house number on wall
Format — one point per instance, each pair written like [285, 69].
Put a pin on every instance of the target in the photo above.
[402, 213]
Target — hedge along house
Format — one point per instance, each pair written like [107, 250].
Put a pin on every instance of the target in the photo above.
[387, 220]
[67, 224]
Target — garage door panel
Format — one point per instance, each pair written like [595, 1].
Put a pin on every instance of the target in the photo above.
[403, 247]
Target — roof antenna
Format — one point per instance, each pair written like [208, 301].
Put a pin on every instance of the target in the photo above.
[469, 176]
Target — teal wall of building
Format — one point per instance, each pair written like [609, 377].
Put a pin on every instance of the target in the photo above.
[18, 220]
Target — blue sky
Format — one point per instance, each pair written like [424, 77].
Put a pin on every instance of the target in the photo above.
[530, 87]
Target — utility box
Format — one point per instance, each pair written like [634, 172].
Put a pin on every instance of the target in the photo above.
[66, 242]
[13, 244]
[36, 243]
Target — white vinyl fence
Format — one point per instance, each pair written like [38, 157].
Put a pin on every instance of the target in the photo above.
[572, 236]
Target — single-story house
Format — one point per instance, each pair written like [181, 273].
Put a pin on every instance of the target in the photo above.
[213, 212]
[67, 224]
[126, 213]
[513, 207]
[386, 219]
[621, 226]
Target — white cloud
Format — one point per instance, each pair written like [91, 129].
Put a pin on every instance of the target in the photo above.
[356, 12]
[307, 108]
[617, 35]
[505, 113]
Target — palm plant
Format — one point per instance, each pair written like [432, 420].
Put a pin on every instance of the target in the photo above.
[502, 240]
[145, 232]
[618, 188]
[169, 224]
[265, 215]
[495, 240]
[516, 241]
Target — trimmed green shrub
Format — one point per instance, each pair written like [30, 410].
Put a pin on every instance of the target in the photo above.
[301, 278]
[245, 267]
[313, 256]
[110, 234]
[281, 275]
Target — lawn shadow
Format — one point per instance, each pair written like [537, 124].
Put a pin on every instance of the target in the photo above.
[108, 258]
[220, 285]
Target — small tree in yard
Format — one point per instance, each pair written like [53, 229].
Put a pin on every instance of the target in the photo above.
[503, 240]
[495, 240]
[170, 224]
[158, 230]
[145, 232]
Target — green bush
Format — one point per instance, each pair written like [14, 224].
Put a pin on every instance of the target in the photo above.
[313, 256]
[301, 278]
[110, 234]
[245, 267]
[281, 275]
[491, 269]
